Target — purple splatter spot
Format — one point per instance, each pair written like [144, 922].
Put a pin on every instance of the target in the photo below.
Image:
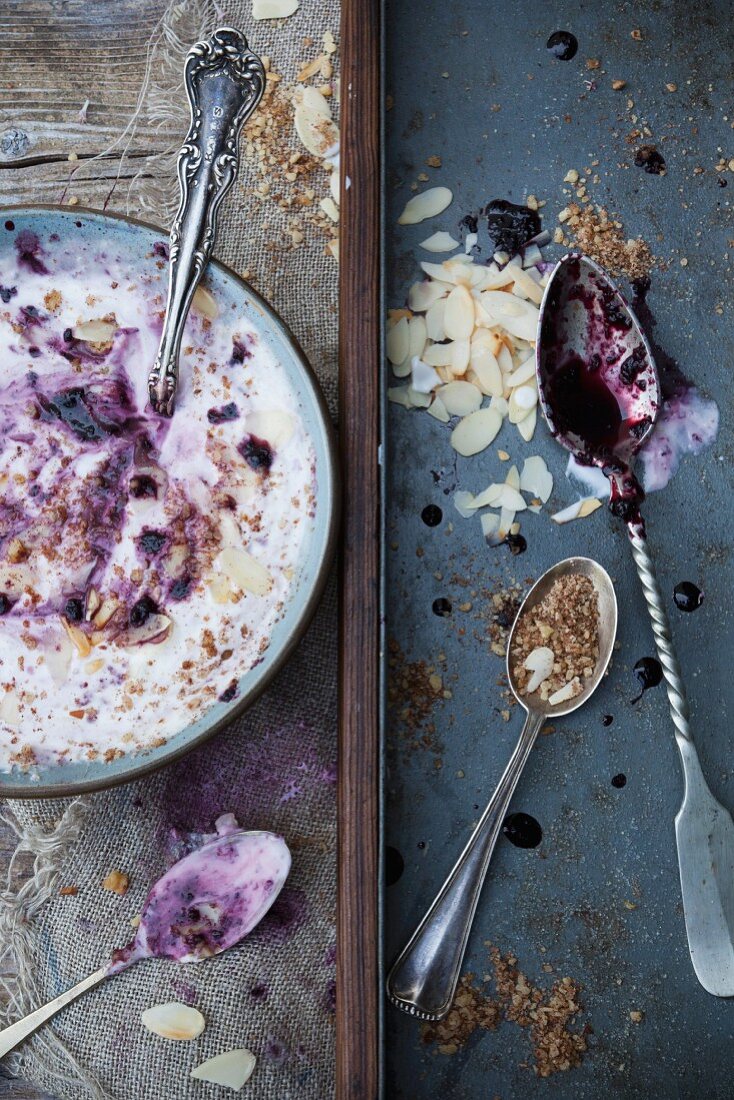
[240, 351]
[223, 413]
[276, 1051]
[288, 915]
[184, 991]
[330, 998]
[259, 992]
[229, 693]
[160, 248]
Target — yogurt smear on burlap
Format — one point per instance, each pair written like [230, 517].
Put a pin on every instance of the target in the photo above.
[143, 562]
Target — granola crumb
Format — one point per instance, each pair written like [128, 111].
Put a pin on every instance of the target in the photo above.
[566, 622]
[69, 891]
[117, 881]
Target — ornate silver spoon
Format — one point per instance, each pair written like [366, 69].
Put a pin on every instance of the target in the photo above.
[423, 979]
[224, 82]
[600, 392]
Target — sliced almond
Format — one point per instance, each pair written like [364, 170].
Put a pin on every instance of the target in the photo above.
[423, 378]
[440, 242]
[540, 662]
[274, 425]
[397, 343]
[567, 692]
[460, 350]
[536, 478]
[95, 332]
[273, 9]
[155, 630]
[77, 637]
[246, 572]
[522, 374]
[490, 527]
[476, 431]
[418, 336]
[460, 398]
[422, 295]
[438, 355]
[105, 611]
[459, 315]
[427, 204]
[464, 503]
[437, 410]
[526, 427]
[330, 208]
[93, 602]
[314, 124]
[205, 303]
[487, 370]
[174, 1021]
[518, 317]
[233, 1069]
[435, 329]
[578, 510]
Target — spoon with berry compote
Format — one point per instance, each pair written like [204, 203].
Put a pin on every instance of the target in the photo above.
[600, 393]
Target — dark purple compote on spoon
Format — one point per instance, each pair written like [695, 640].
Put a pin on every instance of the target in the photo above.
[598, 384]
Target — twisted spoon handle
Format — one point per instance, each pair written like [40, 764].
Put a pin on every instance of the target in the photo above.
[224, 82]
[663, 638]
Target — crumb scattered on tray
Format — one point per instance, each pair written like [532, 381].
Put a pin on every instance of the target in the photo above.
[599, 235]
[556, 643]
[547, 1014]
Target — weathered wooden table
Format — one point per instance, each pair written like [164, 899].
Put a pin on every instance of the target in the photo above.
[55, 57]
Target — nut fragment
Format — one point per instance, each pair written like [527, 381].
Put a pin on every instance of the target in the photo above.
[427, 204]
[117, 881]
[231, 1069]
[174, 1021]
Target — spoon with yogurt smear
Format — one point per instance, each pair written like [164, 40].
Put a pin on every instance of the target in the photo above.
[203, 905]
[600, 393]
[423, 979]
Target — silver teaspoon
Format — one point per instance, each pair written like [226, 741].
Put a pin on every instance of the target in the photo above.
[424, 977]
[600, 393]
[224, 82]
[203, 905]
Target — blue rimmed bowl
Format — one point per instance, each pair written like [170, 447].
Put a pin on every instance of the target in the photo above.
[136, 239]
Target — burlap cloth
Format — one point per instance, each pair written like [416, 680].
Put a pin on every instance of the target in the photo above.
[274, 768]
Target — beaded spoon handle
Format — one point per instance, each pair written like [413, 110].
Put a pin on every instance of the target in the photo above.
[224, 82]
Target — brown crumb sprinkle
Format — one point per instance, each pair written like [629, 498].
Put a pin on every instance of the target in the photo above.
[601, 237]
[69, 891]
[566, 621]
[547, 1014]
[117, 881]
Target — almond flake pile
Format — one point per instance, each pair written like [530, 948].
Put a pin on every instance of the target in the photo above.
[293, 141]
[555, 647]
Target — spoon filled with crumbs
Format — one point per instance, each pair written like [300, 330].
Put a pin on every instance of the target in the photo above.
[557, 653]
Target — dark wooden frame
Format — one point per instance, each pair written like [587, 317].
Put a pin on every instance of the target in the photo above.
[359, 996]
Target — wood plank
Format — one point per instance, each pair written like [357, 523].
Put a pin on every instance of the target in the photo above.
[55, 55]
[359, 993]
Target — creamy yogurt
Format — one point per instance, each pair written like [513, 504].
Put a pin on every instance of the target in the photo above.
[143, 561]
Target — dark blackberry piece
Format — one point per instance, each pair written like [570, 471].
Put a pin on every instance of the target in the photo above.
[74, 610]
[152, 542]
[223, 413]
[5, 603]
[179, 590]
[6, 293]
[229, 692]
[142, 610]
[257, 453]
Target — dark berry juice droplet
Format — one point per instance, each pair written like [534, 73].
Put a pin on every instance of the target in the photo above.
[607, 720]
[394, 865]
[649, 673]
[442, 606]
[687, 596]
[619, 781]
[563, 45]
[431, 515]
[522, 830]
[650, 159]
